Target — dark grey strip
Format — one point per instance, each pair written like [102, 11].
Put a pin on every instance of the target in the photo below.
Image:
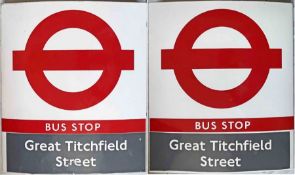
[184, 152]
[51, 154]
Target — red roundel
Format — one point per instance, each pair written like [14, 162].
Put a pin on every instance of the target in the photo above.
[34, 60]
[259, 58]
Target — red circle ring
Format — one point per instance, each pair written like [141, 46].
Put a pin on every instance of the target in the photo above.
[36, 77]
[221, 98]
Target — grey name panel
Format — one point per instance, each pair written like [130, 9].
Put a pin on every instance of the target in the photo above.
[184, 152]
[100, 153]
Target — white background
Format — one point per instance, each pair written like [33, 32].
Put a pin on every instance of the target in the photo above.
[168, 100]
[126, 101]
